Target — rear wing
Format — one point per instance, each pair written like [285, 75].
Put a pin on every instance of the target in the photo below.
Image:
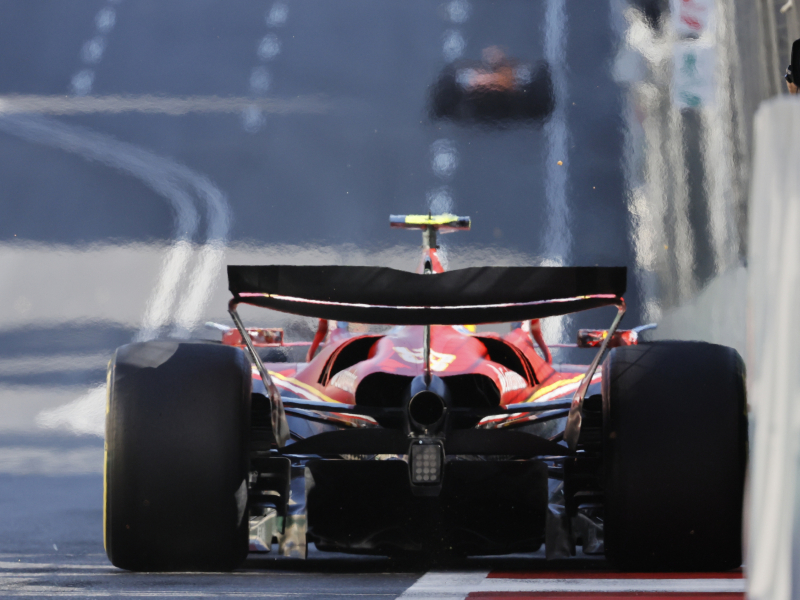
[446, 223]
[387, 296]
[381, 295]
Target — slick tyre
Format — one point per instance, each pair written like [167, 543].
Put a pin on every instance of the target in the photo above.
[538, 98]
[674, 454]
[177, 436]
[446, 96]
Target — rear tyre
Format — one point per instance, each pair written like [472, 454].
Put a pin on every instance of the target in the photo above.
[674, 453]
[538, 96]
[177, 456]
[446, 95]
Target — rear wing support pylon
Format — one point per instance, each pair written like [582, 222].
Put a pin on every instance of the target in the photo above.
[280, 426]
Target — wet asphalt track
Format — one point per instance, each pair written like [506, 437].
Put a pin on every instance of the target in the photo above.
[299, 127]
[51, 546]
[297, 178]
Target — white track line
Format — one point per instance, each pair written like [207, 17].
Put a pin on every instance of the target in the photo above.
[557, 235]
[211, 259]
[83, 416]
[10, 565]
[558, 238]
[26, 460]
[457, 586]
[57, 592]
[33, 365]
[159, 105]
[159, 306]
[445, 585]
[210, 262]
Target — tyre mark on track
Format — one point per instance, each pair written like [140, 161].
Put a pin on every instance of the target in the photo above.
[167, 178]
[179, 185]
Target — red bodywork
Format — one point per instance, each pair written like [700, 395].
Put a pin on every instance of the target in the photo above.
[518, 372]
[454, 351]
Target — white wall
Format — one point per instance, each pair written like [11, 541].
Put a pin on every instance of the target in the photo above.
[717, 314]
[773, 353]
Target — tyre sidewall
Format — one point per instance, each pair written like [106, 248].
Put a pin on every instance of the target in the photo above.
[177, 437]
[675, 452]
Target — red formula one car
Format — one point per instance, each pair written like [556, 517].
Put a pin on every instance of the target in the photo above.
[426, 438]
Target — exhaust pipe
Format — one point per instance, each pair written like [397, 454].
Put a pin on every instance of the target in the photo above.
[427, 405]
[426, 410]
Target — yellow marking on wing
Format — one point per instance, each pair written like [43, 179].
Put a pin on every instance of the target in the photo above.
[553, 386]
[305, 386]
[105, 497]
[432, 220]
[105, 457]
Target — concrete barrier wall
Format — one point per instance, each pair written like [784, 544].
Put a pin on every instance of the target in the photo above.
[773, 353]
[717, 314]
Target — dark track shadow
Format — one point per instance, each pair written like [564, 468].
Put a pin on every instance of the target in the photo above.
[320, 562]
